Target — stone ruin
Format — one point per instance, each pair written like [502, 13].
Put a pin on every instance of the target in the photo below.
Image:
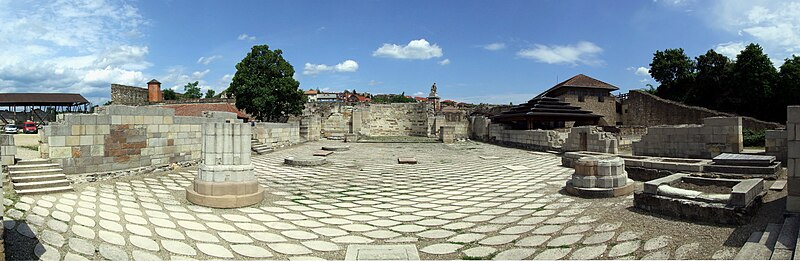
[715, 200]
[599, 177]
[225, 178]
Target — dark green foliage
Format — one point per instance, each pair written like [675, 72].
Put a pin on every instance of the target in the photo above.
[210, 94]
[263, 85]
[191, 91]
[748, 86]
[169, 94]
[392, 98]
[753, 138]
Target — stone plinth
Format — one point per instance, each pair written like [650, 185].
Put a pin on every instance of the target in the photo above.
[225, 178]
[351, 137]
[599, 177]
[304, 161]
[447, 134]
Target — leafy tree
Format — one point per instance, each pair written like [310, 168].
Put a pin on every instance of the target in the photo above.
[712, 77]
[675, 71]
[210, 94]
[170, 94]
[789, 83]
[191, 91]
[264, 87]
[753, 78]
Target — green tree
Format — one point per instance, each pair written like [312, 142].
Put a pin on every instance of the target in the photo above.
[789, 83]
[191, 91]
[210, 94]
[675, 71]
[709, 89]
[170, 94]
[264, 87]
[753, 78]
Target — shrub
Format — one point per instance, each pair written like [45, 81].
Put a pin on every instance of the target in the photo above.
[753, 138]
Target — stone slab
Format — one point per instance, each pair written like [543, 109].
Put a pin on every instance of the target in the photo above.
[323, 153]
[743, 159]
[406, 160]
[382, 252]
[778, 185]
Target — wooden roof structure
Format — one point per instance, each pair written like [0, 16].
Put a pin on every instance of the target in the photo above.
[42, 99]
[546, 109]
[578, 81]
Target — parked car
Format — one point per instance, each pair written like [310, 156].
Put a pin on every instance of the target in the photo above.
[11, 128]
[29, 127]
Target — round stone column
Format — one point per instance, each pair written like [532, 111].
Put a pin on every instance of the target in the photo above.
[600, 177]
[225, 178]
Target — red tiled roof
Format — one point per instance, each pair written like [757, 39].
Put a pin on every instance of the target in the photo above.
[420, 98]
[582, 81]
[197, 109]
[310, 92]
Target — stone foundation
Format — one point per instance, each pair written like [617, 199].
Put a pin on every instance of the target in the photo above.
[599, 177]
[717, 135]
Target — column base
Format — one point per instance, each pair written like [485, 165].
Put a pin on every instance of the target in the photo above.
[225, 194]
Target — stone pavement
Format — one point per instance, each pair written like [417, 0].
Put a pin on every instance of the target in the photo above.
[459, 202]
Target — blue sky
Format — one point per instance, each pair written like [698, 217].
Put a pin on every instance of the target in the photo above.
[476, 51]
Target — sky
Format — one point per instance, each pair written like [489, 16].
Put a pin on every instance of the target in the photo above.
[475, 51]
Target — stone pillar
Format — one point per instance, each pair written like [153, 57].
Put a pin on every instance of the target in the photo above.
[225, 178]
[447, 134]
[793, 158]
[600, 177]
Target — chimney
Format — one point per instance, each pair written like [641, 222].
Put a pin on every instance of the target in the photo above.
[154, 91]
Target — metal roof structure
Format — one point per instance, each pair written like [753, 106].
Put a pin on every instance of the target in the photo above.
[42, 99]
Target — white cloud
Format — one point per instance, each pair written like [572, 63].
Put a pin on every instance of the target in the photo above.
[730, 49]
[243, 37]
[641, 71]
[773, 24]
[206, 60]
[444, 62]
[416, 49]
[582, 52]
[70, 46]
[314, 69]
[419, 93]
[494, 46]
[374, 82]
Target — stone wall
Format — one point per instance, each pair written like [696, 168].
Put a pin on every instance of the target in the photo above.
[775, 141]
[128, 95]
[479, 127]
[644, 109]
[606, 108]
[397, 119]
[310, 127]
[456, 119]
[7, 150]
[717, 135]
[591, 138]
[277, 134]
[526, 139]
[124, 137]
[793, 158]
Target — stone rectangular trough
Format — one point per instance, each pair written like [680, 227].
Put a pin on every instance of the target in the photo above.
[663, 196]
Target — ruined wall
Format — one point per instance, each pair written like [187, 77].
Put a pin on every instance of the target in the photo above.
[644, 109]
[479, 127]
[310, 128]
[527, 139]
[717, 135]
[606, 108]
[7, 150]
[124, 137]
[793, 159]
[398, 119]
[775, 141]
[395, 119]
[128, 95]
[277, 134]
[591, 138]
[457, 119]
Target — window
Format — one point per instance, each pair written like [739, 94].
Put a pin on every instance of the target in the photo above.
[601, 98]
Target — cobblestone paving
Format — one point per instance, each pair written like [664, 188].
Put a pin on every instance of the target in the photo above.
[454, 204]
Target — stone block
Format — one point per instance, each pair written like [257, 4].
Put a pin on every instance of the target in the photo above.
[792, 114]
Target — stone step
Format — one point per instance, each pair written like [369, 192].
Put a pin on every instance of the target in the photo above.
[33, 167]
[760, 244]
[33, 161]
[43, 190]
[41, 184]
[787, 239]
[25, 179]
[34, 172]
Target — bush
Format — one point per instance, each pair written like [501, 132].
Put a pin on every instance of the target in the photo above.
[753, 138]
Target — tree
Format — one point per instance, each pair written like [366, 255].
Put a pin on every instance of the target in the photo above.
[170, 94]
[191, 91]
[789, 83]
[753, 78]
[712, 77]
[210, 94]
[264, 87]
[675, 71]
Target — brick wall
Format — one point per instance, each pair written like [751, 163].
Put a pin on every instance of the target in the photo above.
[591, 138]
[644, 109]
[124, 137]
[717, 135]
[277, 134]
[128, 95]
[775, 141]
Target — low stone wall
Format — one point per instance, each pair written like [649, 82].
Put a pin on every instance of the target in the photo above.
[793, 159]
[591, 138]
[526, 139]
[124, 137]
[775, 141]
[717, 135]
[7, 150]
[479, 127]
[277, 134]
